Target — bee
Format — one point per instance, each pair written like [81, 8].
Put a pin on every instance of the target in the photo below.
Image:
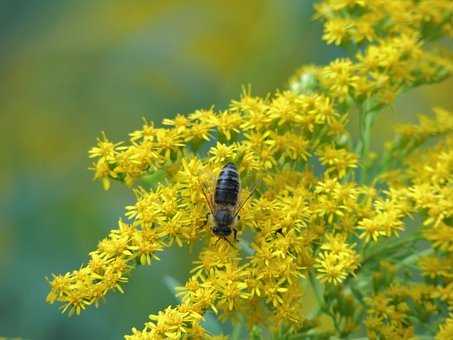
[225, 208]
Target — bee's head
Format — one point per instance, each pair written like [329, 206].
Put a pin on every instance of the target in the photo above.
[223, 218]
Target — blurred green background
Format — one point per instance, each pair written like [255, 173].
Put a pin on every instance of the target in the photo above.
[71, 69]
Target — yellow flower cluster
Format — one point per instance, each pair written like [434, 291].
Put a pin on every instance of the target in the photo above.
[389, 312]
[321, 208]
[173, 323]
[359, 21]
[398, 309]
[412, 136]
[379, 72]
[446, 330]
[336, 260]
[276, 130]
[106, 269]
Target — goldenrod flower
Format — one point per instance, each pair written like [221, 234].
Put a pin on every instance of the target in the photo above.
[445, 330]
[336, 31]
[324, 212]
[337, 259]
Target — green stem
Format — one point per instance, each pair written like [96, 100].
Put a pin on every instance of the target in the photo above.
[366, 120]
[335, 322]
[391, 246]
[414, 258]
[237, 330]
[322, 308]
[317, 137]
[316, 290]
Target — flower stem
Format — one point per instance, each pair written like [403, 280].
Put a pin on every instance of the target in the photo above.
[316, 290]
[398, 244]
[366, 121]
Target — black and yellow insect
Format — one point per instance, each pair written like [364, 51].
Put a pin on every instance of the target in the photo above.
[225, 205]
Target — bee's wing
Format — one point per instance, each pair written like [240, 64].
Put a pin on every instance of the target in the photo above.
[241, 203]
[207, 183]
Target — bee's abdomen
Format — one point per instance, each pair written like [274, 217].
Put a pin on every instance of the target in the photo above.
[228, 186]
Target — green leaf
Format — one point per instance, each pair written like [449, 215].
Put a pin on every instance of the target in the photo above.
[152, 179]
[211, 324]
[171, 284]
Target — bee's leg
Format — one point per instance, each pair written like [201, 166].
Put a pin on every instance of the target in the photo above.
[207, 220]
[279, 231]
[235, 231]
[276, 233]
[235, 234]
[231, 244]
